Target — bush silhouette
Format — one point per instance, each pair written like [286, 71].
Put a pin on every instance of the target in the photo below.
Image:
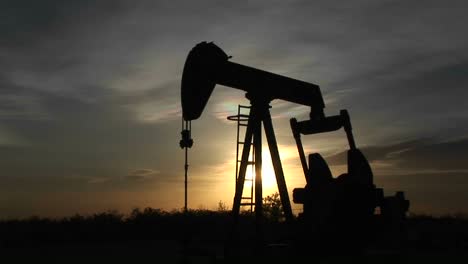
[204, 227]
[272, 208]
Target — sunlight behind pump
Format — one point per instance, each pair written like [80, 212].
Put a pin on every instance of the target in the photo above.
[206, 66]
[268, 172]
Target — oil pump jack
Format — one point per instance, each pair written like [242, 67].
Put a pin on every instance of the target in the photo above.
[351, 198]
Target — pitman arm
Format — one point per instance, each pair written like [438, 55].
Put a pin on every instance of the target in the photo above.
[320, 125]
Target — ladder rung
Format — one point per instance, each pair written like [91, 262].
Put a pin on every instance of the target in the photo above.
[247, 179]
[248, 162]
[244, 204]
[249, 198]
[243, 124]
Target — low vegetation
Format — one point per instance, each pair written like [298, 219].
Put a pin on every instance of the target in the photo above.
[424, 232]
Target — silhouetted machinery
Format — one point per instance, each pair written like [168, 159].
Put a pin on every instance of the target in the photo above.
[340, 208]
[341, 211]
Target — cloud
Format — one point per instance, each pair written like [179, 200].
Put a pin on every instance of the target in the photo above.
[93, 87]
[141, 175]
[375, 153]
[423, 155]
[156, 100]
[429, 192]
[95, 180]
[19, 103]
[10, 139]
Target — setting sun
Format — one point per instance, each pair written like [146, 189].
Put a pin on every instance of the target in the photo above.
[268, 172]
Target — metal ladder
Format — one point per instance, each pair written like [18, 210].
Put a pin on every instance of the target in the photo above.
[242, 119]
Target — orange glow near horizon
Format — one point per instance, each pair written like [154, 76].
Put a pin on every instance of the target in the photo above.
[268, 173]
[212, 184]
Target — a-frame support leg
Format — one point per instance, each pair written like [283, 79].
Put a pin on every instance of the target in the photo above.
[275, 157]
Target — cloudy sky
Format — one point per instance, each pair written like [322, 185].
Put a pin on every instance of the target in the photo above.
[90, 98]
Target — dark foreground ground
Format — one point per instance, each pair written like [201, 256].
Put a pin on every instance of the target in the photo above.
[160, 237]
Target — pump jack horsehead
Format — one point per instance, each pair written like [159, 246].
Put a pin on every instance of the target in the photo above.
[332, 206]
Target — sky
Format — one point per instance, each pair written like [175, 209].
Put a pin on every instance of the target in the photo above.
[90, 112]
